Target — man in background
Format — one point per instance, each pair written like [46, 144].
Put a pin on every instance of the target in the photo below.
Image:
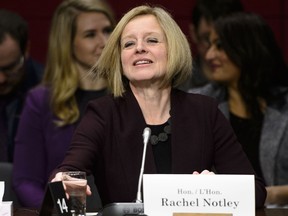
[18, 73]
[204, 13]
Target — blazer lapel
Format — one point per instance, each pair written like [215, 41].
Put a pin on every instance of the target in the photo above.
[223, 106]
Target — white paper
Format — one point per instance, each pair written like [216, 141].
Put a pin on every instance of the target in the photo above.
[2, 188]
[168, 194]
[5, 207]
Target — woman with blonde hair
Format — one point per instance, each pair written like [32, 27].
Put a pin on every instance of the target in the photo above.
[79, 32]
[145, 59]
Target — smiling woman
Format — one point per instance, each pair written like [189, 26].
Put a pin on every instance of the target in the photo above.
[91, 28]
[150, 62]
[250, 81]
[79, 31]
[145, 58]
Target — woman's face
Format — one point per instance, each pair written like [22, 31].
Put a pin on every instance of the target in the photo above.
[143, 50]
[222, 68]
[92, 32]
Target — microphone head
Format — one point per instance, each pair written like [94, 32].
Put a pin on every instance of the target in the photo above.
[146, 134]
[147, 131]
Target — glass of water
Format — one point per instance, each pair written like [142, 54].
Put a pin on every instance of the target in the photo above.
[76, 184]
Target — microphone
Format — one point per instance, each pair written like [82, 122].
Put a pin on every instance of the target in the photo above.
[146, 136]
[133, 208]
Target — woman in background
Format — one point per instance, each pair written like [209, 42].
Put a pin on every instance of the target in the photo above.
[250, 80]
[79, 32]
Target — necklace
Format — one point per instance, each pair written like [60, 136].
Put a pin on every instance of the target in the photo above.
[162, 136]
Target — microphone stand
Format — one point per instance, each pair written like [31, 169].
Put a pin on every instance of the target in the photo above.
[146, 136]
[134, 208]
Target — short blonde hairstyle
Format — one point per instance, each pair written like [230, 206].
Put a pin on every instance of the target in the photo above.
[61, 73]
[179, 55]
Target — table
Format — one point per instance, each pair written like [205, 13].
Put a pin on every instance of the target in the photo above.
[260, 212]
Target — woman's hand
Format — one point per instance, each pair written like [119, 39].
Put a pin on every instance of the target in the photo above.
[58, 177]
[204, 172]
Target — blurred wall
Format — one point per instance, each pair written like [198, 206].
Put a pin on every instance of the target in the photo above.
[38, 13]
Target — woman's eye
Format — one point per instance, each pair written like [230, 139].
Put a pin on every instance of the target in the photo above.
[128, 44]
[152, 40]
[219, 44]
[90, 35]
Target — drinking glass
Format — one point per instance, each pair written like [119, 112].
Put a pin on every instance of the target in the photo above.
[76, 184]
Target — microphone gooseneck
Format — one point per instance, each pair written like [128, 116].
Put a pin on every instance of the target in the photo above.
[130, 208]
[146, 136]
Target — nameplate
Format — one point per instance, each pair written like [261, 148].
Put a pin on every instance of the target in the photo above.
[55, 200]
[193, 195]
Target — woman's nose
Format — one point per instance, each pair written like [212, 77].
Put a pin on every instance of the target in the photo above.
[210, 54]
[140, 47]
[102, 40]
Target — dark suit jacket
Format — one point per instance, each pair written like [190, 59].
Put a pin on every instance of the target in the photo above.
[108, 143]
[11, 108]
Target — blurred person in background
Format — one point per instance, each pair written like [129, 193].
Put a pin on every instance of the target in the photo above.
[79, 32]
[18, 74]
[204, 13]
[249, 78]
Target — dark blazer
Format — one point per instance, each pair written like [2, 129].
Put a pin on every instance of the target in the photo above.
[11, 107]
[108, 143]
